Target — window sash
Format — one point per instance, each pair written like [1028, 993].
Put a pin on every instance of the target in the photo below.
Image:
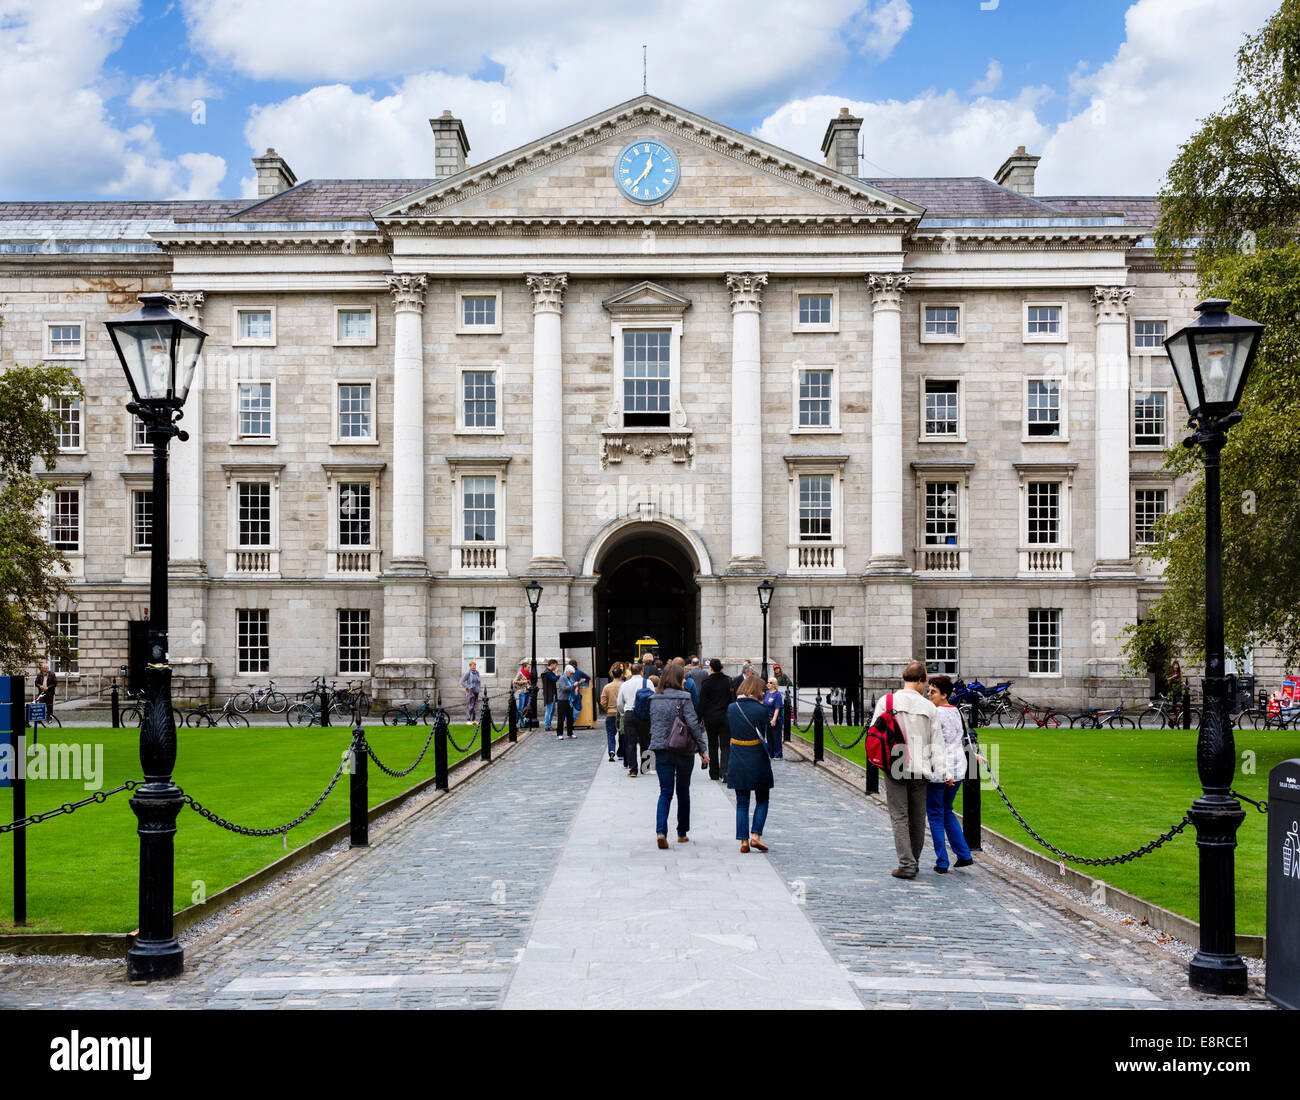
[139, 433]
[814, 309]
[1043, 408]
[1043, 519]
[1150, 419]
[479, 393]
[1149, 505]
[354, 641]
[254, 324]
[478, 310]
[941, 639]
[65, 520]
[65, 339]
[354, 324]
[479, 509]
[647, 376]
[1044, 640]
[815, 508]
[141, 520]
[815, 626]
[254, 517]
[355, 514]
[1148, 334]
[355, 410]
[68, 626]
[1044, 320]
[815, 398]
[253, 640]
[942, 321]
[942, 513]
[941, 408]
[69, 430]
[479, 639]
[255, 410]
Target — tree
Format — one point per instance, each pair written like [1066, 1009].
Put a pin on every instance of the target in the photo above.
[1232, 198]
[32, 573]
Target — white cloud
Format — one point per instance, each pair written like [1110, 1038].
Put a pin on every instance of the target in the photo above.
[992, 78]
[170, 93]
[884, 26]
[58, 136]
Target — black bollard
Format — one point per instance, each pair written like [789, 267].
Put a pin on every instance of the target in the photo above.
[440, 749]
[1187, 706]
[512, 717]
[970, 790]
[485, 732]
[324, 704]
[359, 777]
[819, 730]
[787, 710]
[113, 705]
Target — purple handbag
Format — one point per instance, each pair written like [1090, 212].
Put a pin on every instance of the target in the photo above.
[679, 736]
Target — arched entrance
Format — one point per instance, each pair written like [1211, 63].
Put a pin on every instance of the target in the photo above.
[646, 586]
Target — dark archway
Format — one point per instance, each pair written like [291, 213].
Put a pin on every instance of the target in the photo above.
[646, 586]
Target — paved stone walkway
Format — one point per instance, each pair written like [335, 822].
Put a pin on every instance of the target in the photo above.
[538, 884]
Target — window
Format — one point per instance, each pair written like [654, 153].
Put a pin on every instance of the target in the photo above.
[253, 640]
[1044, 514]
[815, 626]
[1043, 409]
[1150, 418]
[478, 311]
[1045, 322]
[354, 641]
[254, 410]
[647, 377]
[1044, 641]
[356, 422]
[1148, 337]
[941, 639]
[354, 326]
[253, 326]
[66, 625]
[479, 400]
[816, 310]
[139, 435]
[941, 410]
[941, 513]
[141, 520]
[479, 639]
[942, 324]
[69, 431]
[65, 520]
[479, 508]
[1148, 506]
[816, 403]
[815, 507]
[355, 514]
[254, 517]
[64, 340]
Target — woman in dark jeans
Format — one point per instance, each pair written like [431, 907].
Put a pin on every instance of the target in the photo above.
[674, 768]
[749, 768]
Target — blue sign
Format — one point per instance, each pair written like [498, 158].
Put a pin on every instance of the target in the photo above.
[9, 687]
[35, 712]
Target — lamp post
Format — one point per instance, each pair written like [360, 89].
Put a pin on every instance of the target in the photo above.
[765, 591]
[158, 352]
[1211, 358]
[534, 592]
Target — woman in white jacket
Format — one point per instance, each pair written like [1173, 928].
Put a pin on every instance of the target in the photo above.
[939, 797]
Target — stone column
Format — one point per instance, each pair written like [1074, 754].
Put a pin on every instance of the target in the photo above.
[746, 423]
[408, 424]
[1113, 553]
[887, 423]
[548, 423]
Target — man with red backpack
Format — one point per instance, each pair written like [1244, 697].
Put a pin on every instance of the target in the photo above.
[906, 725]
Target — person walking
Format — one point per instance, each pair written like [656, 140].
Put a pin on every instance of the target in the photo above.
[609, 704]
[696, 674]
[715, 697]
[688, 684]
[549, 679]
[939, 797]
[580, 679]
[565, 692]
[747, 669]
[749, 767]
[636, 730]
[473, 684]
[774, 729]
[521, 684]
[674, 765]
[46, 682]
[836, 700]
[924, 760]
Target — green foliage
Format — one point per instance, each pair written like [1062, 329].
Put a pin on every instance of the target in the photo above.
[32, 573]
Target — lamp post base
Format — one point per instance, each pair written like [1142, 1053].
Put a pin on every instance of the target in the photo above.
[1216, 967]
[149, 961]
[1220, 974]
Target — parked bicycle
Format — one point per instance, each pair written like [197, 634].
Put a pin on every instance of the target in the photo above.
[131, 714]
[1165, 713]
[1094, 718]
[344, 700]
[256, 698]
[409, 714]
[1042, 717]
[206, 715]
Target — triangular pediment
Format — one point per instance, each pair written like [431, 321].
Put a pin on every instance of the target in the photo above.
[724, 174]
[647, 298]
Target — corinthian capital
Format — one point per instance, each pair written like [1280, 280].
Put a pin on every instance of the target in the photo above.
[548, 291]
[408, 291]
[189, 304]
[746, 289]
[1111, 302]
[887, 289]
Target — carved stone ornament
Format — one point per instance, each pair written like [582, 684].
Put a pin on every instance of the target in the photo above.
[746, 289]
[548, 291]
[887, 288]
[408, 291]
[189, 304]
[1111, 302]
[613, 446]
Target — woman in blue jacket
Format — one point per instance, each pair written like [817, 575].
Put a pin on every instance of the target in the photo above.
[674, 766]
[749, 767]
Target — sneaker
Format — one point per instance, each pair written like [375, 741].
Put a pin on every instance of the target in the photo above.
[572, 736]
[940, 870]
[965, 863]
[900, 873]
[611, 758]
[559, 737]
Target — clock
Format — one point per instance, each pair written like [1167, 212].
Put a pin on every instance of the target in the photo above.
[646, 172]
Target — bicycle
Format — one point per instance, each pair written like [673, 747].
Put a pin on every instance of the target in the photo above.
[204, 715]
[404, 715]
[1093, 717]
[1044, 717]
[304, 714]
[1165, 713]
[255, 698]
[344, 700]
[131, 715]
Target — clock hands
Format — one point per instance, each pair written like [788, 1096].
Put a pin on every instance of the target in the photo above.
[650, 163]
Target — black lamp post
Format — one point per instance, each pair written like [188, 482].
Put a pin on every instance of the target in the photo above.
[765, 591]
[1211, 358]
[534, 592]
[159, 352]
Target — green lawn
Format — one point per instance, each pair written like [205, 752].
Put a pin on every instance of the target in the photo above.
[1102, 792]
[82, 867]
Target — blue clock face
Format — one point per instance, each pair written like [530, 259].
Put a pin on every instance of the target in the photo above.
[647, 172]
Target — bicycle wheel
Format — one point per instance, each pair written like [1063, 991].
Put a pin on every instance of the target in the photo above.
[1260, 719]
[300, 714]
[1020, 719]
[397, 716]
[131, 717]
[236, 720]
[277, 702]
[1152, 719]
[195, 718]
[1052, 721]
[1121, 722]
[52, 720]
[244, 702]
[1085, 722]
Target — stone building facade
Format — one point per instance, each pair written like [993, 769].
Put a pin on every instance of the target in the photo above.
[932, 411]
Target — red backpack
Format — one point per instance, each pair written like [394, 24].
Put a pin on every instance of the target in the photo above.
[884, 737]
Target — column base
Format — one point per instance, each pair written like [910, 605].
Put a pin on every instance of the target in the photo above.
[187, 568]
[747, 566]
[407, 567]
[549, 567]
[1113, 568]
[887, 566]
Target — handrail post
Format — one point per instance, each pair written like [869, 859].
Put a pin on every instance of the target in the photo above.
[787, 709]
[970, 792]
[440, 749]
[819, 729]
[485, 732]
[512, 716]
[359, 778]
[114, 704]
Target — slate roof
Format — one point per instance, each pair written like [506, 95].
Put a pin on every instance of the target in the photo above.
[119, 210]
[947, 196]
[1140, 210]
[327, 201]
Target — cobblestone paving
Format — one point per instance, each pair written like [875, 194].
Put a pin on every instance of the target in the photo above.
[968, 939]
[433, 915]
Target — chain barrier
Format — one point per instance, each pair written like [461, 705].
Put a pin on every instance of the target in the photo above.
[462, 748]
[407, 771]
[242, 830]
[831, 731]
[66, 808]
[1262, 807]
[805, 730]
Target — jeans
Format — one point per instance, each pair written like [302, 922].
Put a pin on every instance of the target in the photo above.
[743, 828]
[611, 731]
[550, 713]
[719, 739]
[471, 707]
[939, 798]
[564, 717]
[674, 768]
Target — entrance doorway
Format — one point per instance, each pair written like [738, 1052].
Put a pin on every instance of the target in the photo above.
[646, 588]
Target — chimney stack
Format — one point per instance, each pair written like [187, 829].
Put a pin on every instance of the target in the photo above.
[273, 174]
[1017, 172]
[841, 143]
[450, 145]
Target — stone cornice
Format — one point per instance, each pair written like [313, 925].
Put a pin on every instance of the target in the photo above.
[1022, 239]
[448, 225]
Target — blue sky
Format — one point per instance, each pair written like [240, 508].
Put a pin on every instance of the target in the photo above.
[145, 99]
